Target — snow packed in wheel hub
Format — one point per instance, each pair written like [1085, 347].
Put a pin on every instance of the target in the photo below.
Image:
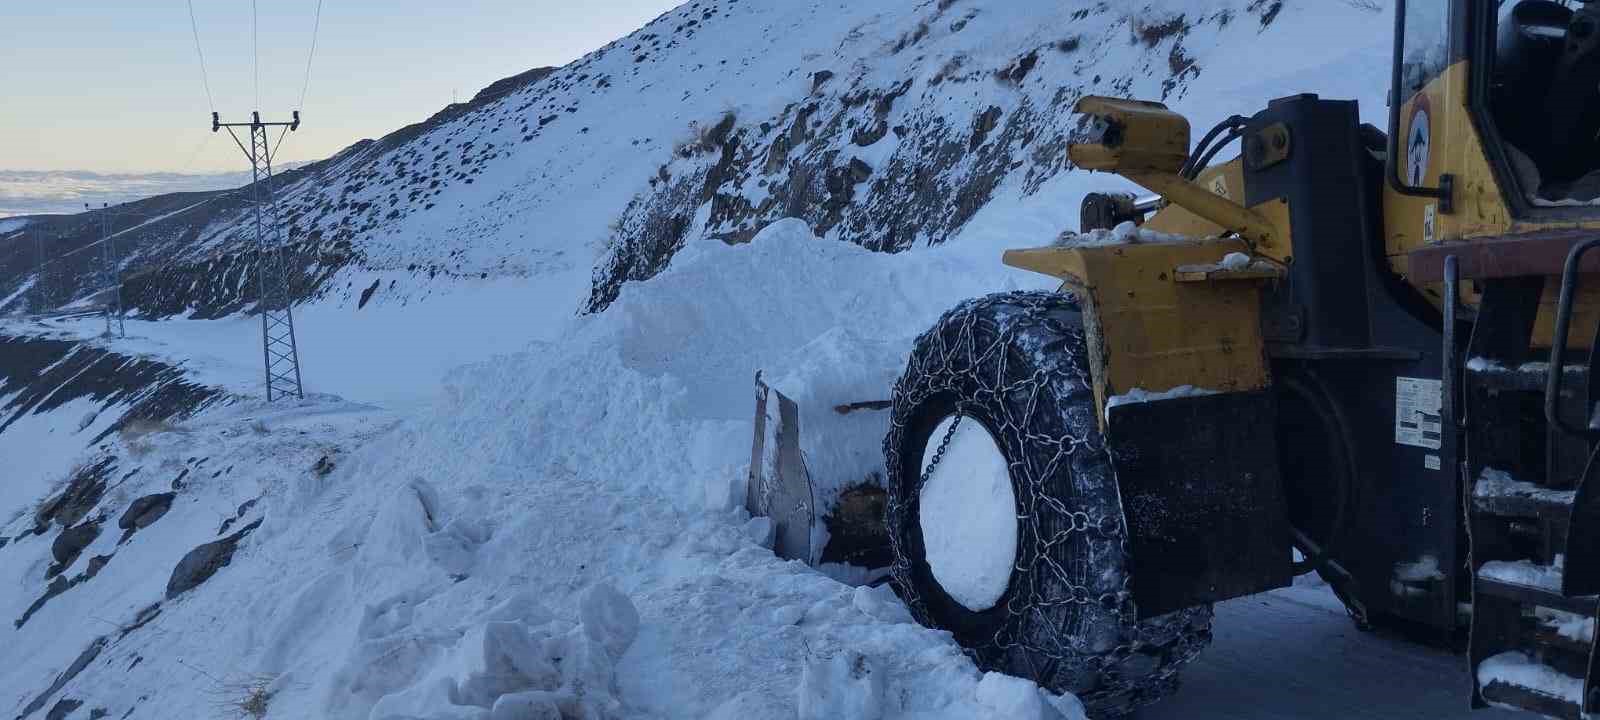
[969, 515]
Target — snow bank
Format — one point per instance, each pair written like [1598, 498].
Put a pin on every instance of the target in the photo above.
[562, 528]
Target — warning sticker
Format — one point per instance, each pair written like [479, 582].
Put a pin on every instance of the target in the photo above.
[1219, 186]
[1417, 417]
[1431, 462]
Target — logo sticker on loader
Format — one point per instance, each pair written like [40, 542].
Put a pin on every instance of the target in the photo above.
[1418, 412]
[1418, 139]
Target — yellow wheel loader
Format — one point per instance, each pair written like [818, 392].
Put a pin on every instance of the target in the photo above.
[1346, 351]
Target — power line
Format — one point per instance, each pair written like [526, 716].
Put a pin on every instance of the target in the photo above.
[315, 25]
[255, 45]
[195, 28]
[195, 153]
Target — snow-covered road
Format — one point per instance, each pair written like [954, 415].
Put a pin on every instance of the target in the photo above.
[1294, 654]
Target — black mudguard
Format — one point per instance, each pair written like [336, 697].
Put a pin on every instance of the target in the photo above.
[1202, 496]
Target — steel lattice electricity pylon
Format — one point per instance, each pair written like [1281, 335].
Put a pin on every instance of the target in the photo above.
[272, 280]
[111, 274]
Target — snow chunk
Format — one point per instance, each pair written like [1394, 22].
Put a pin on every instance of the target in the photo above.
[880, 603]
[1235, 261]
[1525, 572]
[1122, 234]
[1140, 395]
[1493, 484]
[535, 705]
[455, 548]
[1011, 697]
[609, 618]
[761, 531]
[1539, 367]
[847, 685]
[1424, 569]
[524, 607]
[1568, 625]
[1516, 668]
[969, 515]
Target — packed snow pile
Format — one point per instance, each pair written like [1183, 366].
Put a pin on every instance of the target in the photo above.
[562, 530]
[529, 330]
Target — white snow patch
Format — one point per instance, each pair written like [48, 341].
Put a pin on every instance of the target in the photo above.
[847, 685]
[1141, 395]
[1424, 569]
[1568, 625]
[1493, 484]
[1525, 572]
[1235, 261]
[969, 515]
[1123, 234]
[1517, 668]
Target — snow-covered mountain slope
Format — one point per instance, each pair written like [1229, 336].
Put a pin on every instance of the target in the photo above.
[603, 254]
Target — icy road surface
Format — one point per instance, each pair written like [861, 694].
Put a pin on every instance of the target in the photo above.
[1294, 654]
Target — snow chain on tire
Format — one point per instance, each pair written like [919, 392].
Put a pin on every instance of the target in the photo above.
[1017, 363]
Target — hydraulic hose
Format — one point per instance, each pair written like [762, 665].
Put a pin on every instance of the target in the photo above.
[1198, 159]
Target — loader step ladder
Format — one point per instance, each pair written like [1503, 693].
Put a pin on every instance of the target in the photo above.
[1532, 521]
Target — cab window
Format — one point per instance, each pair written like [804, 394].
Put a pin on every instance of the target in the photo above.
[1426, 52]
[1544, 97]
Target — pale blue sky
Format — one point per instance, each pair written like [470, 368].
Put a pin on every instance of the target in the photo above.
[114, 85]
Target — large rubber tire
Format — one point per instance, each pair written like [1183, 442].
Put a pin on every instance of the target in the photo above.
[1016, 362]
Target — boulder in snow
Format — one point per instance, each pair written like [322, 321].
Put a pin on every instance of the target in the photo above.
[202, 562]
[72, 541]
[145, 511]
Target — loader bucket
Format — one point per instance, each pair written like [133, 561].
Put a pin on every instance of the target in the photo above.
[779, 486]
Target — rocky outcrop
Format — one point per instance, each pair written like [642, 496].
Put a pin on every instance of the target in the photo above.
[71, 542]
[83, 492]
[143, 513]
[891, 163]
[38, 375]
[226, 283]
[88, 656]
[203, 562]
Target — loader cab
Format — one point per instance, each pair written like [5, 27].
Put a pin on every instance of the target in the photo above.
[1494, 117]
